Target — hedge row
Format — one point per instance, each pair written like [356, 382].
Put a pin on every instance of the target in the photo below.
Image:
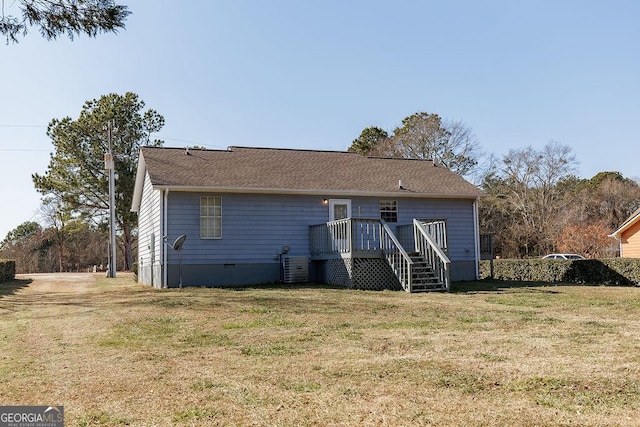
[612, 271]
[7, 270]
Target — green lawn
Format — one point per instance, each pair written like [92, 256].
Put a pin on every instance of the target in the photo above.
[117, 353]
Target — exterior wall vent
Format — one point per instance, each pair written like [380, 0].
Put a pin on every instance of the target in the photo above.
[296, 269]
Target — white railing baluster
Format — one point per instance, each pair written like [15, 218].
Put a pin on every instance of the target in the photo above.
[438, 232]
[349, 235]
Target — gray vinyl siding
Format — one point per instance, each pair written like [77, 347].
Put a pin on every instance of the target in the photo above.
[149, 224]
[256, 227]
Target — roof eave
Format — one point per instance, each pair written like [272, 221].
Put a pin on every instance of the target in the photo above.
[629, 223]
[314, 192]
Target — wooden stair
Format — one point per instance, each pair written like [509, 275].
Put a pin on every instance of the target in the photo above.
[424, 278]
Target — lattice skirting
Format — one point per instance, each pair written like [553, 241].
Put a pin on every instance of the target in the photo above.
[361, 273]
[338, 272]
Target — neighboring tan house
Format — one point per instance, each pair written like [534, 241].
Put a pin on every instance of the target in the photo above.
[265, 215]
[629, 236]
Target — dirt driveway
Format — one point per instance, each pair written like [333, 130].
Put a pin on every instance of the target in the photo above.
[59, 288]
[57, 282]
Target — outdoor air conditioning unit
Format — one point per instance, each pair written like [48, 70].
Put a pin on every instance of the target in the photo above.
[296, 269]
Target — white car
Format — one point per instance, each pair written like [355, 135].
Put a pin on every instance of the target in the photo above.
[563, 256]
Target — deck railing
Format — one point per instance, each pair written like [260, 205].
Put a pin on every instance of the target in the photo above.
[349, 235]
[319, 240]
[358, 236]
[430, 249]
[397, 257]
[436, 229]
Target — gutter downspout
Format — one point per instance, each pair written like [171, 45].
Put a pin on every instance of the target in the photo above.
[165, 226]
[476, 237]
[619, 239]
[620, 246]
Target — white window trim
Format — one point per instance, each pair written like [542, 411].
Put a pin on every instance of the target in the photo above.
[389, 211]
[213, 237]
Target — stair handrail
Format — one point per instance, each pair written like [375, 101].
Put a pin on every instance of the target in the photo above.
[432, 252]
[399, 260]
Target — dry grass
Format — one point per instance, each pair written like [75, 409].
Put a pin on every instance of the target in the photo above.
[116, 353]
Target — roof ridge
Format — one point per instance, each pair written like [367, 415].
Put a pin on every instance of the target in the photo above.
[307, 150]
[400, 158]
[311, 150]
[183, 148]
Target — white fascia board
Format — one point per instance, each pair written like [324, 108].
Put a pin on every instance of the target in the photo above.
[305, 192]
[616, 234]
[139, 185]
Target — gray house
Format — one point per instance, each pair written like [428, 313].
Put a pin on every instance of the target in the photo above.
[263, 215]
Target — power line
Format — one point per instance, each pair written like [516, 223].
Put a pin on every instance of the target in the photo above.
[24, 150]
[157, 136]
[22, 126]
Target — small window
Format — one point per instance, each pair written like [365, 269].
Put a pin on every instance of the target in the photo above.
[389, 210]
[210, 217]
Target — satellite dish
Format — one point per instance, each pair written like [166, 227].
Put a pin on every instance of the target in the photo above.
[177, 245]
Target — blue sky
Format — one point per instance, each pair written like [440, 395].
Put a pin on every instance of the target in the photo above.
[305, 74]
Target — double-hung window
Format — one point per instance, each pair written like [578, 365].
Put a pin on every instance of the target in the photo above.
[389, 210]
[211, 217]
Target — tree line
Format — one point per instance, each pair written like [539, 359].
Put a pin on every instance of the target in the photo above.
[535, 205]
[76, 246]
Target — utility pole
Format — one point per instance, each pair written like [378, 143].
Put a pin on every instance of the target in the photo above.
[109, 165]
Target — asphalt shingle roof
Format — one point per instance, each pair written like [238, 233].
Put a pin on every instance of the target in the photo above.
[271, 169]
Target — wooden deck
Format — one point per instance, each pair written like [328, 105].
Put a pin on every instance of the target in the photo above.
[424, 267]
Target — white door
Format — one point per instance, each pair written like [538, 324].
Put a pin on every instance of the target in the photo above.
[339, 209]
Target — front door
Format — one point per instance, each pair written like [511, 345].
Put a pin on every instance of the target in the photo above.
[339, 209]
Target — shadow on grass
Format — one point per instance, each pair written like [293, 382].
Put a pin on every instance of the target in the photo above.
[456, 287]
[285, 286]
[496, 286]
[9, 288]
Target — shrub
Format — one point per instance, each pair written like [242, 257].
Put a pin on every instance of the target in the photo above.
[610, 271]
[7, 270]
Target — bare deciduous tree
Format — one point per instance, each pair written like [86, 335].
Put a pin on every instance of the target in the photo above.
[524, 191]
